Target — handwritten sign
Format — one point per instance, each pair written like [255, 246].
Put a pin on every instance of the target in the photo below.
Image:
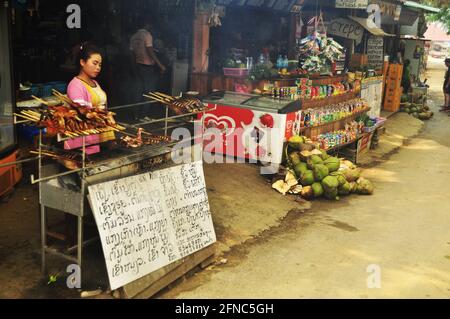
[347, 29]
[150, 220]
[372, 92]
[375, 52]
[352, 4]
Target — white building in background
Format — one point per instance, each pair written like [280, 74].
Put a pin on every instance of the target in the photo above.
[440, 44]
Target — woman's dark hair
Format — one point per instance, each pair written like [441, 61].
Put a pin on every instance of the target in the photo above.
[447, 60]
[86, 51]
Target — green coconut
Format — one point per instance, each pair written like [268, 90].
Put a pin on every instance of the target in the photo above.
[305, 155]
[295, 158]
[320, 172]
[364, 186]
[333, 164]
[307, 192]
[353, 187]
[306, 147]
[314, 160]
[324, 155]
[332, 194]
[295, 141]
[317, 189]
[299, 169]
[341, 179]
[344, 189]
[307, 178]
[330, 183]
[351, 175]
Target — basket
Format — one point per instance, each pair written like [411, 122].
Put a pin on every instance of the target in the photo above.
[236, 72]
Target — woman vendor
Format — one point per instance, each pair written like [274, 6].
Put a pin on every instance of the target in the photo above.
[85, 91]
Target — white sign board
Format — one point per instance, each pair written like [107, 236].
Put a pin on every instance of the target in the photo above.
[149, 221]
[346, 28]
[375, 52]
[372, 92]
[352, 4]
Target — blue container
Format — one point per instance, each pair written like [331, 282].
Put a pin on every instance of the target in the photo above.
[28, 132]
[61, 87]
[36, 90]
[46, 90]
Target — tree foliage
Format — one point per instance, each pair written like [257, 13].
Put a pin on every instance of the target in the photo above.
[443, 16]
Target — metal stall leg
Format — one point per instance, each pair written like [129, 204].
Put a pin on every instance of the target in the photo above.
[80, 218]
[166, 122]
[42, 211]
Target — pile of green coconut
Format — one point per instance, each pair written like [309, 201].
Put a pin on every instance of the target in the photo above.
[418, 109]
[312, 173]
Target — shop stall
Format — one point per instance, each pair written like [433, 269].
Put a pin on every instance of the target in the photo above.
[10, 175]
[136, 187]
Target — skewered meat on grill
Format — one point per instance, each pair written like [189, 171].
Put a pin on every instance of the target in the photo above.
[72, 121]
[179, 105]
[149, 139]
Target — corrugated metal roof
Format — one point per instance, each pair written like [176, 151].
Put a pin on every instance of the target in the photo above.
[412, 4]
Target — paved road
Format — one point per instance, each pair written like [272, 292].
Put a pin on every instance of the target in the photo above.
[400, 235]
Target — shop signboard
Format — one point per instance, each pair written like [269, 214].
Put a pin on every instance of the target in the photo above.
[151, 220]
[352, 4]
[346, 28]
[375, 52]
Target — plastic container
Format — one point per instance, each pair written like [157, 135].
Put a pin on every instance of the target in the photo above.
[236, 72]
[46, 90]
[36, 90]
[28, 132]
[61, 87]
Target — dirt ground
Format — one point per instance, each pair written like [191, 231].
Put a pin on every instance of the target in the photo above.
[277, 247]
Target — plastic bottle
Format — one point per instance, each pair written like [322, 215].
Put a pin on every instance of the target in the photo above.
[261, 59]
[279, 62]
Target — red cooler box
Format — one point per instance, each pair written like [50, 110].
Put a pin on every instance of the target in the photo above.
[248, 126]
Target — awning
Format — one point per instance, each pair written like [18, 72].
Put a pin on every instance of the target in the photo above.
[277, 5]
[412, 4]
[371, 27]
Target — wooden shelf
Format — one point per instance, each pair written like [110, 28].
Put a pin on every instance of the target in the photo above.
[319, 103]
[367, 109]
[337, 147]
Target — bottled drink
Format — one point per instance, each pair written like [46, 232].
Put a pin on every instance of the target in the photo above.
[279, 63]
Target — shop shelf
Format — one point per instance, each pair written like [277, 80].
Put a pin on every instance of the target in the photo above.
[235, 72]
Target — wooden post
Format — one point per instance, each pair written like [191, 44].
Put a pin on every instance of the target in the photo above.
[200, 46]
[292, 46]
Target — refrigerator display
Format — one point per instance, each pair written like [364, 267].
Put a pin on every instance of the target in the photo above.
[248, 126]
